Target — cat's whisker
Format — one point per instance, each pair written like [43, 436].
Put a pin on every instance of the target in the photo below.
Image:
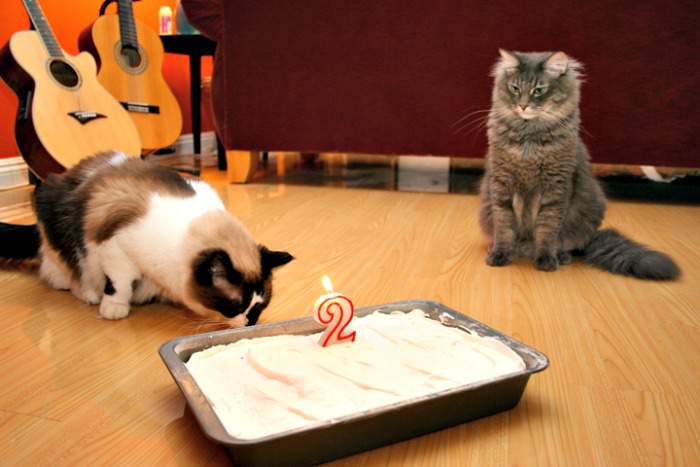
[212, 324]
[471, 111]
[481, 123]
[481, 127]
[475, 112]
[478, 122]
[583, 129]
[564, 125]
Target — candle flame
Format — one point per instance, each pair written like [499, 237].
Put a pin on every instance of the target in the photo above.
[327, 283]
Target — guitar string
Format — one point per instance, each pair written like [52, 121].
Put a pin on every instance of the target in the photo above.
[50, 42]
[127, 21]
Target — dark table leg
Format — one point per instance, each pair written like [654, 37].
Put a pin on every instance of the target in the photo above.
[221, 154]
[195, 100]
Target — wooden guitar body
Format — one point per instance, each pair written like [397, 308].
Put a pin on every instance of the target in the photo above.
[64, 113]
[140, 87]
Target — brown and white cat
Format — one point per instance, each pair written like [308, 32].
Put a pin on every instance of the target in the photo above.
[539, 197]
[119, 232]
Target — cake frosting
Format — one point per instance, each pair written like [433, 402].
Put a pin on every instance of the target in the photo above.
[266, 385]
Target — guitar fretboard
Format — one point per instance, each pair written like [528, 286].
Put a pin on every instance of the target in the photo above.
[127, 26]
[36, 14]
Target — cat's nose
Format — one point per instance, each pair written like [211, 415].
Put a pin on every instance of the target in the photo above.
[523, 106]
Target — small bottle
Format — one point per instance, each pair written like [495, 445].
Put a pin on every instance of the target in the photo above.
[165, 20]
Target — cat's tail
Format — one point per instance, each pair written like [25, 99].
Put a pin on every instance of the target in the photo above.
[612, 251]
[18, 242]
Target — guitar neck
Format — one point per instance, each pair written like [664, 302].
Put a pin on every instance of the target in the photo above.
[127, 25]
[36, 14]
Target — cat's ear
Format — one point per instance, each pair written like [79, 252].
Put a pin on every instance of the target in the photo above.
[557, 64]
[270, 260]
[508, 59]
[506, 64]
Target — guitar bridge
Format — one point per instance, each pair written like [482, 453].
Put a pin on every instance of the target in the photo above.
[85, 116]
[138, 107]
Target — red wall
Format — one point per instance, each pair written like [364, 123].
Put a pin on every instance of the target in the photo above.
[68, 19]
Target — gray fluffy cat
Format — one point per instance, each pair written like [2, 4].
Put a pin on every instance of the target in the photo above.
[538, 195]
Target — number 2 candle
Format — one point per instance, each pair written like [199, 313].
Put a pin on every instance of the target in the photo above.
[335, 310]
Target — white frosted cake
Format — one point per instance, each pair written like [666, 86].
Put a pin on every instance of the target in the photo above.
[267, 385]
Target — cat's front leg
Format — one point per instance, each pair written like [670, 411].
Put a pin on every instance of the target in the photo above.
[547, 227]
[501, 250]
[89, 287]
[120, 274]
[54, 273]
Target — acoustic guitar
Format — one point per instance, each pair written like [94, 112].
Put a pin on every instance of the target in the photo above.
[64, 113]
[130, 58]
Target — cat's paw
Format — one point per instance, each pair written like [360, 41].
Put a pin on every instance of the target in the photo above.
[564, 258]
[89, 296]
[92, 297]
[55, 276]
[499, 257]
[546, 262]
[113, 310]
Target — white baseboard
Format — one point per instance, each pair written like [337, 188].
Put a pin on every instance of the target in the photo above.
[423, 173]
[15, 190]
[14, 172]
[185, 143]
[16, 203]
[184, 148]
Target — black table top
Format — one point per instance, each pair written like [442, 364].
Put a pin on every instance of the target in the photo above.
[188, 44]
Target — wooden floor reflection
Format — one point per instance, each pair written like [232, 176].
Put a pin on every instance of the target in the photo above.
[396, 173]
[457, 175]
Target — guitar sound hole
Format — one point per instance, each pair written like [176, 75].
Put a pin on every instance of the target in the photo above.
[132, 57]
[64, 73]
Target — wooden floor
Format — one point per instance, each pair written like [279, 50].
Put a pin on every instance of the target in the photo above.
[622, 388]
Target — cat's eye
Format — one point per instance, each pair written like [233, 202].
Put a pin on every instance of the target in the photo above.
[217, 271]
[514, 88]
[538, 91]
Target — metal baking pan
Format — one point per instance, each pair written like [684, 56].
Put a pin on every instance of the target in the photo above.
[327, 440]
